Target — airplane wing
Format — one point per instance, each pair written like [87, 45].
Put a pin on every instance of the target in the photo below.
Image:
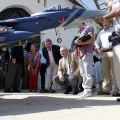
[87, 16]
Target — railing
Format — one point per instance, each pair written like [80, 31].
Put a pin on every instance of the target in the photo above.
[79, 3]
[100, 5]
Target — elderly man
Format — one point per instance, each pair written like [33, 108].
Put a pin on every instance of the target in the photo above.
[114, 15]
[68, 72]
[52, 55]
[104, 47]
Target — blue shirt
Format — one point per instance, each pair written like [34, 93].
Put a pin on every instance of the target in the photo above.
[43, 60]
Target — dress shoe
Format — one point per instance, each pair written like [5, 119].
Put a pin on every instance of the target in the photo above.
[118, 99]
[30, 90]
[102, 93]
[8, 91]
[17, 90]
[116, 94]
[68, 89]
[44, 91]
[75, 92]
[35, 90]
[52, 91]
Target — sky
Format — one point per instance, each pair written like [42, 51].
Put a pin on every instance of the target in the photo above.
[91, 4]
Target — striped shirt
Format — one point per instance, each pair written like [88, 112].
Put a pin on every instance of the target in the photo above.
[116, 20]
[84, 31]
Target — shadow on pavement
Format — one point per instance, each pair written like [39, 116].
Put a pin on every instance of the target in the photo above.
[35, 103]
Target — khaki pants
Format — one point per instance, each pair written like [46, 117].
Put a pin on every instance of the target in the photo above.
[51, 71]
[116, 62]
[108, 71]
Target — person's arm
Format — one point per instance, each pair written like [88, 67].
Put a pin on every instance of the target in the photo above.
[60, 68]
[114, 13]
[97, 44]
[38, 62]
[30, 62]
[91, 40]
[13, 55]
[60, 71]
[90, 31]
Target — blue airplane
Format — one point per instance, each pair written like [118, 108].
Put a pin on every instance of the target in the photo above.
[68, 16]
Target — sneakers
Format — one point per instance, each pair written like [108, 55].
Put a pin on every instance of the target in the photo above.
[81, 93]
[85, 94]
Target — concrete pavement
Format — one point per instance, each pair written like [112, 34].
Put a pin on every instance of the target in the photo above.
[57, 106]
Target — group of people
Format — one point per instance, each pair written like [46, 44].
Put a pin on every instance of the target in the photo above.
[68, 70]
[114, 16]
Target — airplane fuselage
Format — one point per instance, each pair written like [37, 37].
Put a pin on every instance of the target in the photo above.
[24, 28]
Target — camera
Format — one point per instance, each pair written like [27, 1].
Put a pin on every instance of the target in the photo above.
[83, 39]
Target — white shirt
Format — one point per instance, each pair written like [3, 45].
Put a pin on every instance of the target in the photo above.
[102, 39]
[116, 20]
[51, 58]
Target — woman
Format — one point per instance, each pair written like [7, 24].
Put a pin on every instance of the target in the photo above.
[34, 62]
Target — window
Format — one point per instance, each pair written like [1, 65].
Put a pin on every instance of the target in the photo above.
[38, 1]
[45, 3]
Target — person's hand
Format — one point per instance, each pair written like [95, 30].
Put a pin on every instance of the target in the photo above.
[61, 77]
[75, 54]
[13, 60]
[33, 71]
[78, 42]
[71, 74]
[100, 52]
[99, 19]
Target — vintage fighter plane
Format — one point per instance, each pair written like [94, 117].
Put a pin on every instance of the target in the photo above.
[14, 30]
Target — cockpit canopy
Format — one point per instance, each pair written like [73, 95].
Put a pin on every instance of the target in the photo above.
[62, 7]
[58, 7]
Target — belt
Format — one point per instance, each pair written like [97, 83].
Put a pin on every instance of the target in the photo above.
[107, 50]
[116, 43]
